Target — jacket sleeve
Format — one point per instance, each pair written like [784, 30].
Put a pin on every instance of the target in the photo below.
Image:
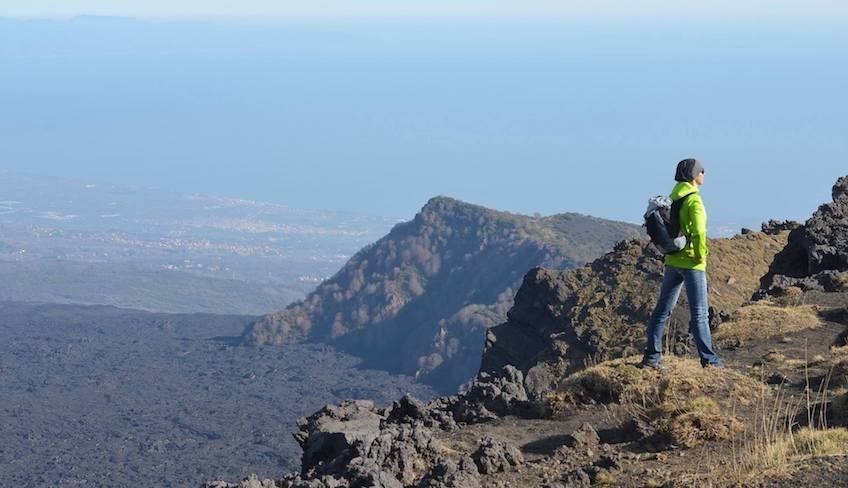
[698, 218]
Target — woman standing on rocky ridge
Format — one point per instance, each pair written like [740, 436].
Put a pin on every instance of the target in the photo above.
[687, 266]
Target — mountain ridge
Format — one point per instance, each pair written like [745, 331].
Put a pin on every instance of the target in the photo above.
[419, 300]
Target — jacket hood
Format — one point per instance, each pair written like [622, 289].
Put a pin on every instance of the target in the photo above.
[683, 188]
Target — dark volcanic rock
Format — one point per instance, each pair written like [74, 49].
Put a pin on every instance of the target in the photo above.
[449, 474]
[148, 397]
[333, 436]
[717, 317]
[358, 445]
[563, 319]
[540, 379]
[408, 409]
[356, 442]
[773, 227]
[585, 437]
[496, 457]
[489, 396]
[251, 481]
[578, 479]
[817, 252]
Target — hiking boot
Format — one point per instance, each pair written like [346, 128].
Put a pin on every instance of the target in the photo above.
[654, 366]
[713, 365]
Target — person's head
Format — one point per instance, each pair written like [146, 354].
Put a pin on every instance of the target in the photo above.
[690, 170]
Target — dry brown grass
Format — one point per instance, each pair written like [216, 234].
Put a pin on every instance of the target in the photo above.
[789, 451]
[693, 429]
[621, 381]
[692, 423]
[774, 446]
[605, 478]
[791, 297]
[737, 264]
[817, 442]
[686, 402]
[763, 320]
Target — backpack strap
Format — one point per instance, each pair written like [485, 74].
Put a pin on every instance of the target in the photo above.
[675, 211]
[680, 200]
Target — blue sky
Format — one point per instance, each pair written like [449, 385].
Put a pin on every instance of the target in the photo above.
[373, 115]
[440, 9]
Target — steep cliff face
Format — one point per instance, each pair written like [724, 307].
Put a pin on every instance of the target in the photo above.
[420, 300]
[563, 320]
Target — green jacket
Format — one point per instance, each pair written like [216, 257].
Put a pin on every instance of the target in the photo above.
[693, 224]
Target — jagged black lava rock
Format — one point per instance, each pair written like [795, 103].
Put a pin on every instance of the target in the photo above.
[356, 444]
[496, 457]
[817, 252]
[774, 227]
[449, 474]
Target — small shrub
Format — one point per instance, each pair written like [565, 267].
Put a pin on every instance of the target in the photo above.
[691, 423]
[605, 478]
[694, 428]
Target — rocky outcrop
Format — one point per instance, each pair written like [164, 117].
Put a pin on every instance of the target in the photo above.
[488, 397]
[816, 256]
[496, 457]
[774, 227]
[419, 301]
[448, 473]
[562, 320]
[356, 444]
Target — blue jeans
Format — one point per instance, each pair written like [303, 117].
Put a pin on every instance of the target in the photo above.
[699, 325]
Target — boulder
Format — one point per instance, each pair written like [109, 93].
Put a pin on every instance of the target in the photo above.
[488, 397]
[334, 435]
[251, 481]
[585, 438]
[493, 456]
[452, 474]
[774, 227]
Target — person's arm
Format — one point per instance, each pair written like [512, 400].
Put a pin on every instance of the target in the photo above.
[698, 217]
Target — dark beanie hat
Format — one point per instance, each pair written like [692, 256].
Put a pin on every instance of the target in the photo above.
[688, 170]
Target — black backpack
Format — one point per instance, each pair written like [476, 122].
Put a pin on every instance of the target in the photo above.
[662, 220]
